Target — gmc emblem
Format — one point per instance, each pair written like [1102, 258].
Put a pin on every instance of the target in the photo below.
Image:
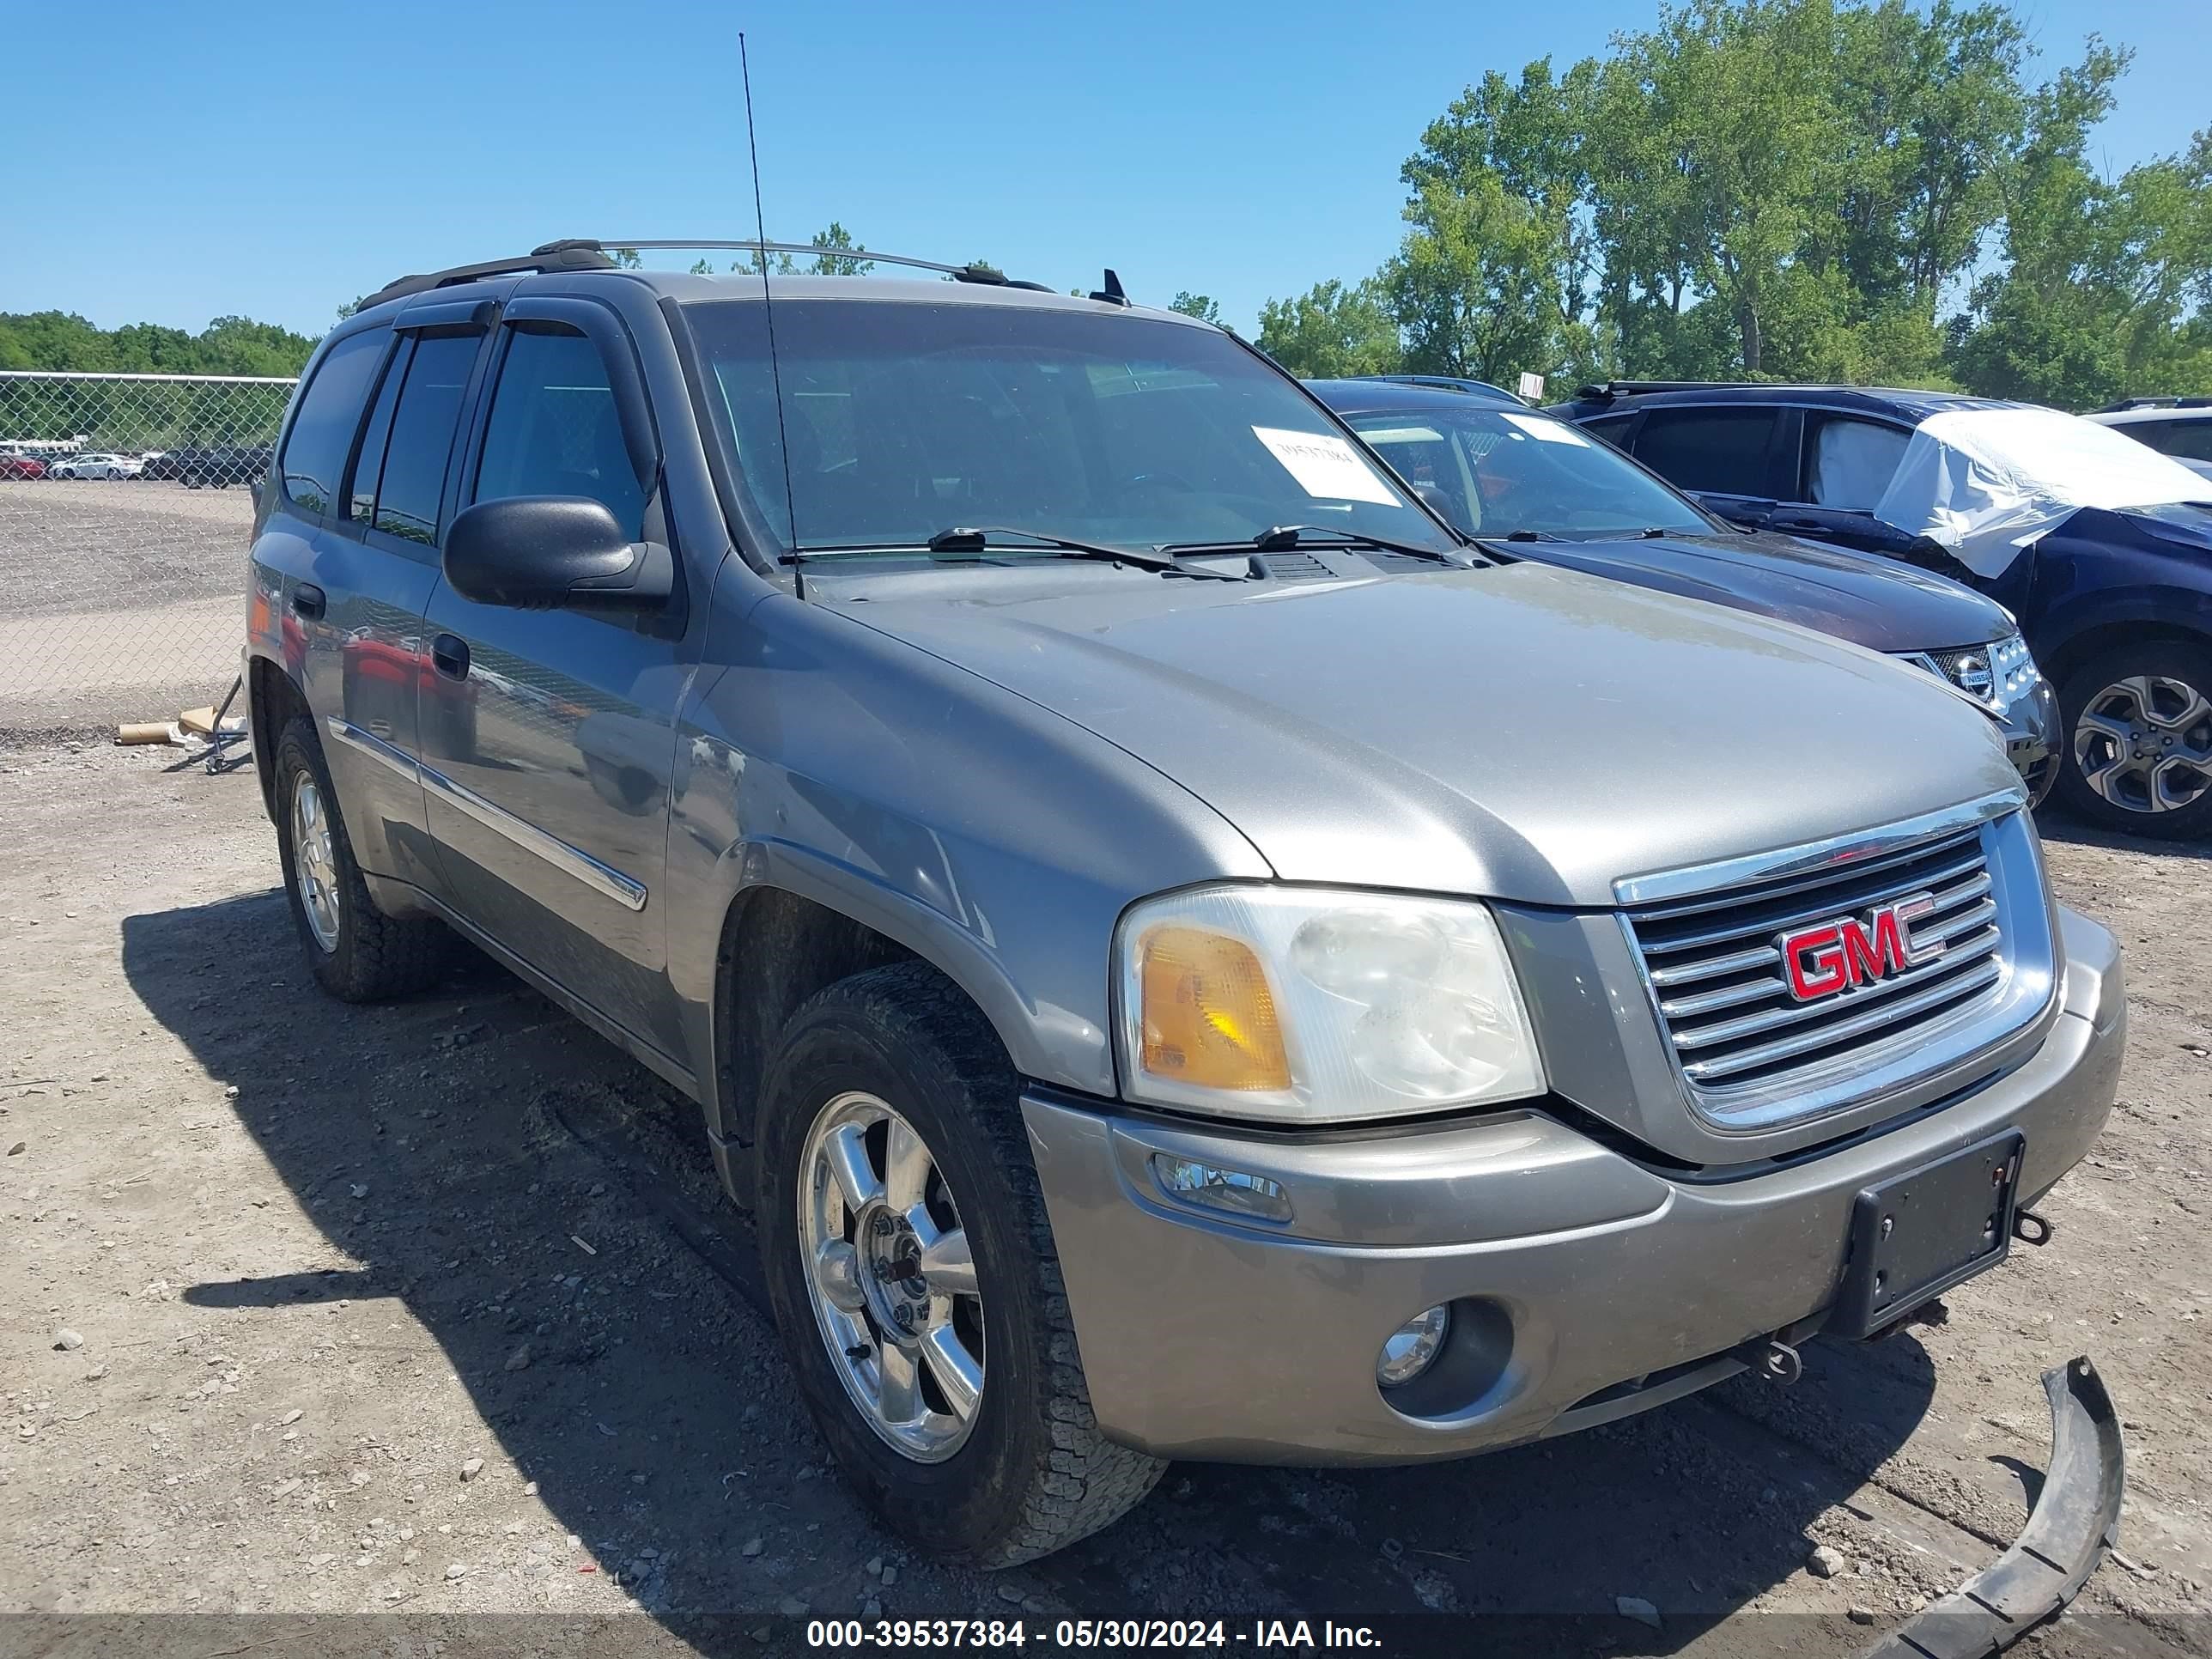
[1837, 956]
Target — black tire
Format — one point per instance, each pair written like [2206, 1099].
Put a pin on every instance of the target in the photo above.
[374, 956]
[2176, 660]
[1035, 1474]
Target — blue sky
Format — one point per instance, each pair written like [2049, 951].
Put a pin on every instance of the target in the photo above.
[276, 161]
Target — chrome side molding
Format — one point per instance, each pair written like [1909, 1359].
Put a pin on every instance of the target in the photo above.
[362, 740]
[601, 878]
[570, 861]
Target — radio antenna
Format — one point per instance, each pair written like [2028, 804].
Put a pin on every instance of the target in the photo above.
[768, 306]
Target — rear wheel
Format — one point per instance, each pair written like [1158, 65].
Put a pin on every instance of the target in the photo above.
[2138, 740]
[357, 953]
[911, 1268]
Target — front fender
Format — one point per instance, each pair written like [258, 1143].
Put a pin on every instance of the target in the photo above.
[988, 836]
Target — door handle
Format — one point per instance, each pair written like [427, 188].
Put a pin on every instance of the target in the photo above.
[449, 655]
[307, 600]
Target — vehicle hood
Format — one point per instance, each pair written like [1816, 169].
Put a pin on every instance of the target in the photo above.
[1516, 731]
[2187, 523]
[1868, 600]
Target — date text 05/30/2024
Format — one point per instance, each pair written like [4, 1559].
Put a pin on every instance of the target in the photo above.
[1260, 1634]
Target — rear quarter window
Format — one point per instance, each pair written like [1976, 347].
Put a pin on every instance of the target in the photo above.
[2190, 441]
[1721, 450]
[329, 415]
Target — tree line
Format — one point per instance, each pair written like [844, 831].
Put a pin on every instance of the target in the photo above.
[53, 340]
[1803, 190]
[62, 341]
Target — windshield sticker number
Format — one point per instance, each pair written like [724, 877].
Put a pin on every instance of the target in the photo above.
[1325, 466]
[1548, 431]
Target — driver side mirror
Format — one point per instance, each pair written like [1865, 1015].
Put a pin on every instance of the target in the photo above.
[543, 552]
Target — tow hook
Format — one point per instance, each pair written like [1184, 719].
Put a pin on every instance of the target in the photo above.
[1775, 1360]
[2076, 1520]
[2030, 1228]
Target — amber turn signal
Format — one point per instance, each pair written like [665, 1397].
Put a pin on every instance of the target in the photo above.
[1207, 1014]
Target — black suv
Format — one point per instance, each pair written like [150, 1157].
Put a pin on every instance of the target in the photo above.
[1502, 471]
[2101, 548]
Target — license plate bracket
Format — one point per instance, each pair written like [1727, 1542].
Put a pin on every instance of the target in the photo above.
[1916, 1234]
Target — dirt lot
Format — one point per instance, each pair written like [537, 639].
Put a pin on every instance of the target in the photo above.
[74, 656]
[435, 1310]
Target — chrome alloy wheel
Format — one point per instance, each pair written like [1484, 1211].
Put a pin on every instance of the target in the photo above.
[889, 1272]
[315, 866]
[2145, 743]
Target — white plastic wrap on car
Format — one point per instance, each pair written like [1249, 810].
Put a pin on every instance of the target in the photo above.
[1987, 482]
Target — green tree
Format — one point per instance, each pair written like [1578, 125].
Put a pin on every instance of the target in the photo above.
[1196, 304]
[834, 264]
[1474, 288]
[1525, 137]
[1333, 330]
[54, 340]
[2103, 285]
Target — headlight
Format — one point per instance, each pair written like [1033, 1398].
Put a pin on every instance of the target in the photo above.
[1996, 675]
[1318, 1007]
[2012, 671]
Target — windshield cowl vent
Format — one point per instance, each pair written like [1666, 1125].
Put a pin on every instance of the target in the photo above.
[1292, 566]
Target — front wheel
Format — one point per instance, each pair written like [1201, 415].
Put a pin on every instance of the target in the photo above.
[2138, 740]
[911, 1268]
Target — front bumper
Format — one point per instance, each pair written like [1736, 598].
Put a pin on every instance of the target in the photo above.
[1592, 1286]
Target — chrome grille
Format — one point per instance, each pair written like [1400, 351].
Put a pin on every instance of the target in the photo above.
[1737, 1033]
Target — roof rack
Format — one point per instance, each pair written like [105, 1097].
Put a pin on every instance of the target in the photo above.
[967, 273]
[1612, 389]
[2168, 402]
[573, 254]
[588, 253]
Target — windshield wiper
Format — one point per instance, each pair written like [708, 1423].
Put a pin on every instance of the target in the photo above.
[1282, 538]
[969, 538]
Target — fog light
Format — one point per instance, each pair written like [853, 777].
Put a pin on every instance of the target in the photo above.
[1231, 1190]
[1413, 1348]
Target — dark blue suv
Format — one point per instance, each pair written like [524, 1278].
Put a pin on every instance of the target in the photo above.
[2104, 555]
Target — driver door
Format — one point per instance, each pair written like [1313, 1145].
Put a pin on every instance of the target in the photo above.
[549, 805]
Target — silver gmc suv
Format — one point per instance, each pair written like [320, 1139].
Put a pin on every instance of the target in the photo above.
[1182, 952]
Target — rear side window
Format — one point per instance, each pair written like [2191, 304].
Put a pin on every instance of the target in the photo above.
[368, 465]
[554, 430]
[1721, 450]
[422, 441]
[2191, 441]
[1614, 429]
[323, 429]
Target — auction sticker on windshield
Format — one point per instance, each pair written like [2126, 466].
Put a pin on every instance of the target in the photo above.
[1325, 466]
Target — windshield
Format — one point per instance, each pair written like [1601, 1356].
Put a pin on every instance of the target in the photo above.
[1497, 471]
[907, 419]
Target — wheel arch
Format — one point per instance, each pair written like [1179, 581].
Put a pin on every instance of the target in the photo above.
[2093, 639]
[273, 698]
[782, 939]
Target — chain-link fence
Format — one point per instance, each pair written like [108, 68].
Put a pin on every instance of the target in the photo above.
[125, 510]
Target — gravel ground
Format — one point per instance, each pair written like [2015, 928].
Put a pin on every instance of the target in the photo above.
[435, 1310]
[122, 601]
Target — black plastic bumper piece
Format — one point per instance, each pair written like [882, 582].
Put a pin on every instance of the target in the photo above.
[2076, 1519]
